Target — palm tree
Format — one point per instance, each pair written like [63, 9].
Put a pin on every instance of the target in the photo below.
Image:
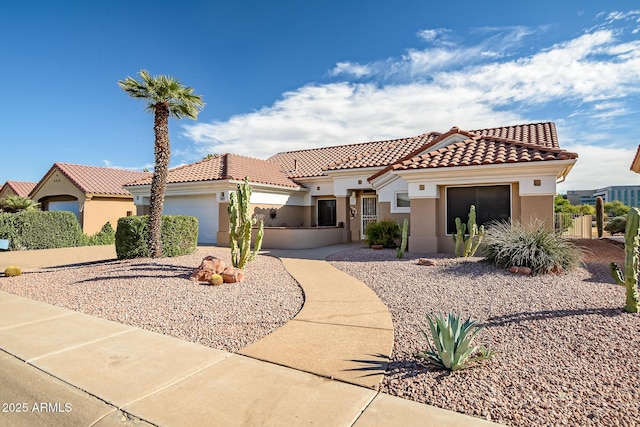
[13, 204]
[165, 96]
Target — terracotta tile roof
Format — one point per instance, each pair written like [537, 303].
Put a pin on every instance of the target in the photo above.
[315, 161]
[480, 150]
[21, 188]
[228, 167]
[97, 179]
[535, 133]
[635, 164]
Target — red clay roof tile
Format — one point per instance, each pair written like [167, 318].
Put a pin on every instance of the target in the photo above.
[21, 188]
[228, 167]
[96, 179]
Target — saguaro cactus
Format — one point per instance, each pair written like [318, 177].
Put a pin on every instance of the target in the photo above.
[630, 276]
[467, 244]
[600, 216]
[240, 224]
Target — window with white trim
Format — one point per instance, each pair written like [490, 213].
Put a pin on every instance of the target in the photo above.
[401, 202]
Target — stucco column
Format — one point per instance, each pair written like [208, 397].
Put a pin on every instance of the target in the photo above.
[423, 237]
[538, 208]
[342, 216]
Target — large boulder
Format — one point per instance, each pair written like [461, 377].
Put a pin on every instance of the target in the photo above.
[209, 266]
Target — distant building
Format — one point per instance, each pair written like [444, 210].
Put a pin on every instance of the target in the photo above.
[627, 194]
[581, 197]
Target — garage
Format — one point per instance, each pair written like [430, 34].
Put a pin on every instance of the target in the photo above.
[205, 208]
[66, 205]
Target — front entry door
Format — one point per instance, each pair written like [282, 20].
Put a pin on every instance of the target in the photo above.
[369, 212]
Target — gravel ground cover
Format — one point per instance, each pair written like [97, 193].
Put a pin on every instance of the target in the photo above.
[566, 352]
[157, 295]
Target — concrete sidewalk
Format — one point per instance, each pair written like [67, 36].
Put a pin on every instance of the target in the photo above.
[59, 367]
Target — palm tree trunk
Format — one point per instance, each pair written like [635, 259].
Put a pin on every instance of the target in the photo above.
[159, 180]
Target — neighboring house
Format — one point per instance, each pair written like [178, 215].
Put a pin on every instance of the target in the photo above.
[16, 188]
[94, 194]
[635, 165]
[332, 193]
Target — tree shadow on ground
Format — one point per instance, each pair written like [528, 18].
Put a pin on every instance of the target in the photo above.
[509, 319]
[173, 272]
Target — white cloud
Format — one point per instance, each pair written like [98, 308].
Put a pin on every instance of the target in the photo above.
[350, 68]
[591, 78]
[600, 166]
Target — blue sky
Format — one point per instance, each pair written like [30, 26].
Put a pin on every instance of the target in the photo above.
[285, 75]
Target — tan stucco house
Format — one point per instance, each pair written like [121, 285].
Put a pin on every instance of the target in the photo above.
[314, 197]
[16, 188]
[94, 194]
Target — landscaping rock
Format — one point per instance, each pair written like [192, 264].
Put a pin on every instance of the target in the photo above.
[525, 271]
[427, 262]
[232, 275]
[209, 266]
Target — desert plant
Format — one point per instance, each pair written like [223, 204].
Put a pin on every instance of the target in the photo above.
[533, 245]
[216, 280]
[383, 233]
[631, 247]
[13, 204]
[403, 245]
[165, 96]
[599, 216]
[452, 343]
[12, 271]
[467, 244]
[616, 225]
[240, 225]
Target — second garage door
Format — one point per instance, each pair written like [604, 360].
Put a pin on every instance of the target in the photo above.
[205, 208]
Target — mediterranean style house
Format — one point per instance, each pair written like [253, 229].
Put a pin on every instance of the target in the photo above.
[328, 195]
[94, 194]
[16, 188]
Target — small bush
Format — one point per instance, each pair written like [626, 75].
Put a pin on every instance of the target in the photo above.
[383, 233]
[179, 236]
[106, 236]
[533, 246]
[452, 347]
[616, 225]
[12, 271]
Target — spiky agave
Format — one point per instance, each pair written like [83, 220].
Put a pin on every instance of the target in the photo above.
[452, 339]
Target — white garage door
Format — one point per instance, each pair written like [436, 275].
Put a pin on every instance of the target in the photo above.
[67, 205]
[205, 208]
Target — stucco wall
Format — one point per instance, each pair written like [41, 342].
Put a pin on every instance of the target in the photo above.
[99, 210]
[423, 221]
[537, 208]
[286, 216]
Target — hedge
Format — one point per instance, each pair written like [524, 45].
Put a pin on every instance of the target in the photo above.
[179, 236]
[40, 230]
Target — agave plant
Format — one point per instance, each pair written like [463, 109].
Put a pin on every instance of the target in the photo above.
[452, 338]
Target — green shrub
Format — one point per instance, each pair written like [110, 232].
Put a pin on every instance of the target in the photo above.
[383, 233]
[452, 339]
[616, 225]
[33, 229]
[179, 236]
[533, 246]
[106, 236]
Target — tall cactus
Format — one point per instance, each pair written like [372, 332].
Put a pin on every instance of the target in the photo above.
[630, 276]
[600, 216]
[240, 225]
[403, 243]
[467, 244]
